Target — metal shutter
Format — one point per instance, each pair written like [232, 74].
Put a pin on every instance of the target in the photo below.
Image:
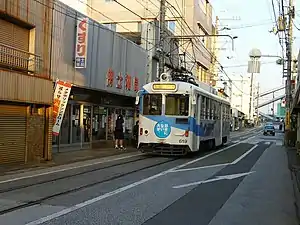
[21, 38]
[6, 34]
[13, 35]
[12, 134]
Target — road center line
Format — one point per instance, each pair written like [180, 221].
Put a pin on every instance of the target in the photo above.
[120, 190]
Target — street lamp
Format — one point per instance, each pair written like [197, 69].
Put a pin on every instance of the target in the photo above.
[255, 55]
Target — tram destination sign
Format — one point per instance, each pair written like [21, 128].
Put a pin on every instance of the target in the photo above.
[164, 87]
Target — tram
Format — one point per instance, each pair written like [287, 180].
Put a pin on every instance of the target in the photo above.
[179, 115]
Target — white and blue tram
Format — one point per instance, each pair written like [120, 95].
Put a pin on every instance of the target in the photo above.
[178, 116]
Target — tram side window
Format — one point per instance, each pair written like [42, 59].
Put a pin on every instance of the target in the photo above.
[177, 105]
[203, 104]
[207, 108]
[214, 110]
[211, 114]
[218, 110]
[152, 104]
[227, 113]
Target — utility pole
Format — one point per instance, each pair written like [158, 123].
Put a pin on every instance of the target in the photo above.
[251, 96]
[162, 27]
[257, 114]
[289, 53]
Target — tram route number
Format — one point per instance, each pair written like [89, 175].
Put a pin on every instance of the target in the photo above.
[182, 141]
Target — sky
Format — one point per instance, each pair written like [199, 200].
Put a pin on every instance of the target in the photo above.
[251, 21]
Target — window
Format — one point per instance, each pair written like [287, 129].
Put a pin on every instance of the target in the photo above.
[152, 104]
[207, 108]
[203, 107]
[172, 26]
[177, 105]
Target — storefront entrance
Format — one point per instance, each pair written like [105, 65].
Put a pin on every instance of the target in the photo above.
[89, 125]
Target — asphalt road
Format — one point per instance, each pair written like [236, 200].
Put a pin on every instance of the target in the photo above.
[246, 182]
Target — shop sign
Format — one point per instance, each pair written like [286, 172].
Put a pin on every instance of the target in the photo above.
[61, 97]
[81, 43]
[119, 81]
[110, 78]
[128, 82]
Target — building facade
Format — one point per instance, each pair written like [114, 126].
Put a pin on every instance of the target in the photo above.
[114, 69]
[26, 88]
[183, 17]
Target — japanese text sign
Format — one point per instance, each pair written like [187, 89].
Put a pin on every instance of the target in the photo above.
[81, 43]
[61, 97]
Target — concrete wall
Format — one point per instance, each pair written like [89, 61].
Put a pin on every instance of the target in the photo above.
[106, 49]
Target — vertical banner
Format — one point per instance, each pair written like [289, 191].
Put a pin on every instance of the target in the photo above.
[81, 43]
[61, 97]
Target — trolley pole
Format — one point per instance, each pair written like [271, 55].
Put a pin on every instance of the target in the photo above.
[162, 27]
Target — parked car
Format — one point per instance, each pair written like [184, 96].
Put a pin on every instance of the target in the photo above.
[269, 129]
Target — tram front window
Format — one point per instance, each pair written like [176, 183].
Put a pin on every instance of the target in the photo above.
[177, 105]
[152, 104]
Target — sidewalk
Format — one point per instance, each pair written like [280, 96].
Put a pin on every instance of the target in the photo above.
[294, 167]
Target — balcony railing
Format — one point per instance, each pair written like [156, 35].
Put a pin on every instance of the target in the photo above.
[19, 60]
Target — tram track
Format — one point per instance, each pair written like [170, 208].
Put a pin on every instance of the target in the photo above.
[39, 201]
[13, 188]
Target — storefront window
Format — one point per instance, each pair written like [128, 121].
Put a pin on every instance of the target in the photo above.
[129, 123]
[65, 127]
[99, 123]
[76, 132]
[87, 123]
[110, 124]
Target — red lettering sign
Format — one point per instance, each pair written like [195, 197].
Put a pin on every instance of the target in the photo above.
[136, 84]
[56, 104]
[119, 81]
[110, 78]
[128, 82]
[81, 38]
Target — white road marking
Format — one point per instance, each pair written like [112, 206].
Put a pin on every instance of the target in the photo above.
[68, 168]
[244, 155]
[267, 143]
[119, 190]
[225, 177]
[199, 168]
[217, 165]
